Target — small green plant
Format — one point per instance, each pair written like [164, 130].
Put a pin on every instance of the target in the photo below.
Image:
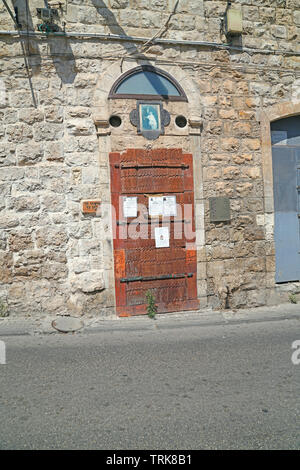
[151, 307]
[292, 298]
[3, 309]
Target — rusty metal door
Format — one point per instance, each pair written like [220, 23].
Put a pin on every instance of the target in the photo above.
[170, 272]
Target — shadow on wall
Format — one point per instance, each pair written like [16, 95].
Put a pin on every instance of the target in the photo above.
[30, 46]
[60, 50]
[63, 59]
[131, 48]
[113, 25]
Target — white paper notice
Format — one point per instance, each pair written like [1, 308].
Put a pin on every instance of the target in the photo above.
[156, 205]
[130, 206]
[162, 237]
[169, 206]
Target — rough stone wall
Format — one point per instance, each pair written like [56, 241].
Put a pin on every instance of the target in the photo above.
[53, 258]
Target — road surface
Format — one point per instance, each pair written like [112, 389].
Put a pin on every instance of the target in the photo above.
[182, 385]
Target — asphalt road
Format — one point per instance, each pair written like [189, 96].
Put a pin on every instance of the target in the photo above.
[183, 386]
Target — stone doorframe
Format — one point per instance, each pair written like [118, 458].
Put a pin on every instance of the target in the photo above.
[100, 112]
[266, 117]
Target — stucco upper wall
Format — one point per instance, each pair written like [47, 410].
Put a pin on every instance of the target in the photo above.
[266, 23]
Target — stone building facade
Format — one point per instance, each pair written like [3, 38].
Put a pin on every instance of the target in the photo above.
[56, 138]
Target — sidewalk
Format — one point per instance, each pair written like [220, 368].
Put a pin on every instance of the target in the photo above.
[27, 325]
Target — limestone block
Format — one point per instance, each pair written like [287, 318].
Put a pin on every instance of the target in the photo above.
[53, 114]
[151, 19]
[7, 155]
[20, 99]
[125, 3]
[96, 262]
[241, 159]
[129, 17]
[19, 241]
[251, 144]
[30, 115]
[23, 203]
[77, 111]
[260, 88]
[18, 132]
[88, 143]
[230, 144]
[256, 298]
[29, 185]
[80, 230]
[90, 247]
[242, 129]
[6, 262]
[50, 97]
[9, 116]
[254, 233]
[78, 159]
[29, 153]
[211, 173]
[51, 236]
[47, 131]
[80, 127]
[296, 17]
[53, 202]
[89, 282]
[253, 172]
[79, 97]
[231, 172]
[85, 80]
[90, 175]
[214, 8]
[251, 13]
[57, 256]
[80, 265]
[227, 114]
[54, 271]
[146, 5]
[54, 151]
[279, 31]
[29, 264]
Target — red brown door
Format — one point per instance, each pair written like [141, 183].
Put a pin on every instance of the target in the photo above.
[141, 264]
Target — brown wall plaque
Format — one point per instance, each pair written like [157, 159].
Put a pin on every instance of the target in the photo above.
[90, 207]
[219, 209]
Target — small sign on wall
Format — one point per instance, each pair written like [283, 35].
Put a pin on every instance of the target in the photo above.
[91, 207]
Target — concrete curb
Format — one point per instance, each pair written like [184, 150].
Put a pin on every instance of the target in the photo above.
[16, 326]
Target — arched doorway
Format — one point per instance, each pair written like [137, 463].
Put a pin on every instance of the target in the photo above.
[152, 193]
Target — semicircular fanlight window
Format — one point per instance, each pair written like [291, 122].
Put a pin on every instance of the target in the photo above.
[147, 82]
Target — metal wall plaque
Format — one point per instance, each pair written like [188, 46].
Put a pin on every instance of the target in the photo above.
[219, 209]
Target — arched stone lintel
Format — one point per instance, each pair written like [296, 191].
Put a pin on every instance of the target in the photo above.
[104, 84]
